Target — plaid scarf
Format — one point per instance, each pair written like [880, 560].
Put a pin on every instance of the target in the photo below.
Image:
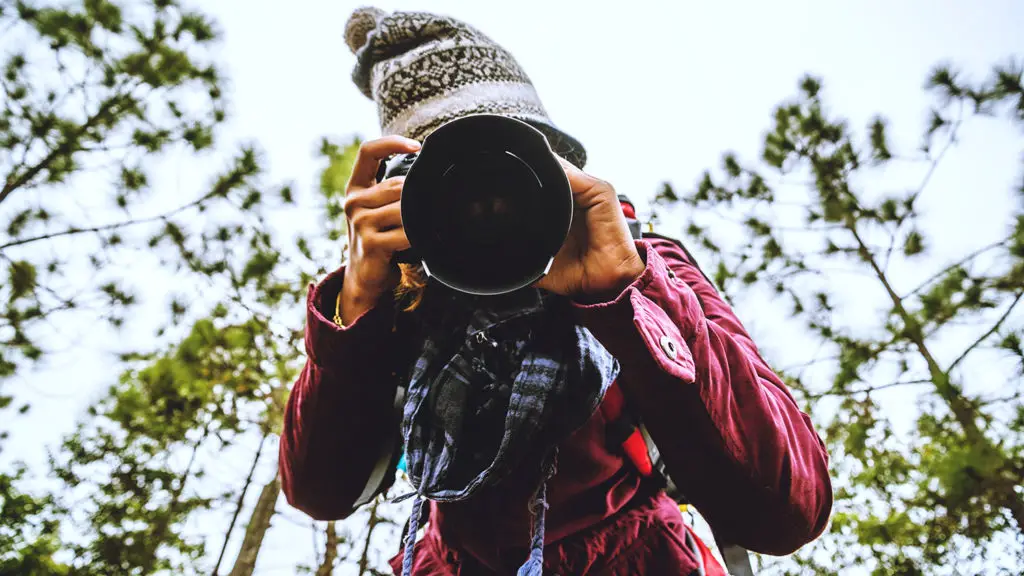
[499, 381]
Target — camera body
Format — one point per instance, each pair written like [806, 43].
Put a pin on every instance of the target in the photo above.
[399, 166]
[396, 166]
[486, 204]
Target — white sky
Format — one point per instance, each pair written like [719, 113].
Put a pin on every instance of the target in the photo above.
[655, 90]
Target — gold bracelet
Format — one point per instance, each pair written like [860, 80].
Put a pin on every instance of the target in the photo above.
[337, 312]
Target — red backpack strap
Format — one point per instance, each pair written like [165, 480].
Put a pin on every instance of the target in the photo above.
[623, 430]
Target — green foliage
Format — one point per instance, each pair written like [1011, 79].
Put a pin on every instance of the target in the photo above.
[29, 530]
[132, 466]
[94, 87]
[928, 502]
[340, 160]
[95, 92]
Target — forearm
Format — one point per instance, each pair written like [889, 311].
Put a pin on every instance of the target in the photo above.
[339, 407]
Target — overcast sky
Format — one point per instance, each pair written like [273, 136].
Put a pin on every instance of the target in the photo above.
[655, 90]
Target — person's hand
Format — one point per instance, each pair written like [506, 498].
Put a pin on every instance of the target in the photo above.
[375, 232]
[599, 258]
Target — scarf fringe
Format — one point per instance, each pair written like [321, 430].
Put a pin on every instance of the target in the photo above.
[534, 565]
[410, 537]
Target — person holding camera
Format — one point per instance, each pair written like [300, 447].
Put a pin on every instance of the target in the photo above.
[521, 415]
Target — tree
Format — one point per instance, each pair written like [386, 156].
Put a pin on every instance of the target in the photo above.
[817, 217]
[257, 529]
[94, 93]
[28, 530]
[331, 543]
[132, 468]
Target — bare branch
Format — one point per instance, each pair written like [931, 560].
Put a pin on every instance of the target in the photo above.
[239, 504]
[924, 182]
[75, 230]
[995, 328]
[868, 389]
[956, 264]
[808, 364]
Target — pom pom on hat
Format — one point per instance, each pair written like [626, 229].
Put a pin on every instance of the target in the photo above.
[360, 24]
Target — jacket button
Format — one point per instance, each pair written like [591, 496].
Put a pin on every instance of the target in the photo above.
[669, 346]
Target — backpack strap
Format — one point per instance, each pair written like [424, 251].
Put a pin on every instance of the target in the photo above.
[623, 432]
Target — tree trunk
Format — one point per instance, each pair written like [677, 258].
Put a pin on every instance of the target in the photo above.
[259, 522]
[330, 552]
[239, 505]
[164, 523]
[364, 558]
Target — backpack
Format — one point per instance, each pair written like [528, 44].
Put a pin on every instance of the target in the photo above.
[625, 432]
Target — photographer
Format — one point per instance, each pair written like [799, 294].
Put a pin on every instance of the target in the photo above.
[637, 314]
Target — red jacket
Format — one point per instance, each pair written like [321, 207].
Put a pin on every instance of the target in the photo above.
[730, 433]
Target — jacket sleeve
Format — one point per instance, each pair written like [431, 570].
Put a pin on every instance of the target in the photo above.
[729, 431]
[341, 406]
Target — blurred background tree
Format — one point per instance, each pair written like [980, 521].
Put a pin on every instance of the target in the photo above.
[96, 95]
[93, 95]
[801, 229]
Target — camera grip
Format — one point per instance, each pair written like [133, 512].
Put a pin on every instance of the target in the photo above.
[399, 166]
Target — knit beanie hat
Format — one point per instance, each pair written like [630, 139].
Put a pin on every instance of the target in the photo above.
[424, 70]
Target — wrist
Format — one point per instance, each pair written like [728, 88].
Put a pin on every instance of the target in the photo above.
[625, 275]
[355, 300]
[628, 274]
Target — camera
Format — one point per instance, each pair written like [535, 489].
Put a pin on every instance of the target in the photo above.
[486, 204]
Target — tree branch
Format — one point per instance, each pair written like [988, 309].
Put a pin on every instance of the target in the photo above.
[330, 551]
[989, 332]
[163, 524]
[1009, 398]
[808, 364]
[924, 182]
[75, 230]
[868, 389]
[66, 147]
[965, 414]
[374, 520]
[239, 505]
[956, 264]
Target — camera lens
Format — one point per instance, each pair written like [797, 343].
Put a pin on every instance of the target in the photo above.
[486, 205]
[488, 199]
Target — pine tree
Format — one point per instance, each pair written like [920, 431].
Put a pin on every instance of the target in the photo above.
[95, 93]
[134, 468]
[818, 212]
